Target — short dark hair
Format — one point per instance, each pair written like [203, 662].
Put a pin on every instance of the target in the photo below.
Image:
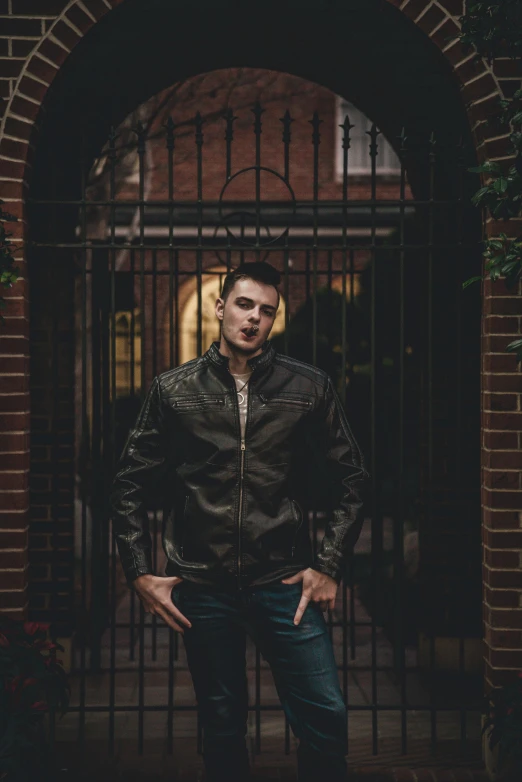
[260, 271]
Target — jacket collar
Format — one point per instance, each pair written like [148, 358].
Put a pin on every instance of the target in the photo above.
[261, 361]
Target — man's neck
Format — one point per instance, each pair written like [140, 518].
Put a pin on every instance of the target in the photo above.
[237, 363]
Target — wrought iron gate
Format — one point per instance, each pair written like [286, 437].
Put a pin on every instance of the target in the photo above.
[372, 293]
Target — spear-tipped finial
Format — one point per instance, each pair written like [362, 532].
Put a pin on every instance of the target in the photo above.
[315, 122]
[139, 130]
[257, 111]
[229, 118]
[287, 120]
[373, 133]
[432, 145]
[112, 142]
[346, 126]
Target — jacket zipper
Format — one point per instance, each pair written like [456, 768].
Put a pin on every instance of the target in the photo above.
[299, 402]
[241, 477]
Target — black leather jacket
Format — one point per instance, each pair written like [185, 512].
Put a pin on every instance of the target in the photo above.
[231, 517]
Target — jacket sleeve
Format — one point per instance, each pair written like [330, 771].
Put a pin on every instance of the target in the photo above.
[140, 467]
[344, 463]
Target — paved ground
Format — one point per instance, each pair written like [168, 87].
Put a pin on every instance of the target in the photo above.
[454, 762]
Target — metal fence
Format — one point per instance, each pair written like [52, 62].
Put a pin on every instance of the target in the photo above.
[372, 293]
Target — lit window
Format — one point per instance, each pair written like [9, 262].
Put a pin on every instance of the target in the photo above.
[359, 160]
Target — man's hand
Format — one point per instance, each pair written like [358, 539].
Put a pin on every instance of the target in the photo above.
[317, 587]
[155, 594]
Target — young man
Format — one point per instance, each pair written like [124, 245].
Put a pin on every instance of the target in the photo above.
[223, 438]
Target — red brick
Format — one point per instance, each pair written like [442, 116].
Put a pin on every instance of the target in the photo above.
[497, 401]
[13, 500]
[508, 460]
[38, 7]
[501, 559]
[496, 539]
[507, 68]
[12, 326]
[14, 442]
[22, 47]
[509, 86]
[502, 382]
[16, 579]
[13, 599]
[506, 617]
[503, 421]
[455, 7]
[500, 520]
[448, 32]
[52, 52]
[455, 53]
[80, 20]
[414, 8]
[97, 8]
[500, 479]
[24, 28]
[504, 639]
[498, 148]
[24, 108]
[10, 68]
[62, 32]
[485, 109]
[32, 88]
[431, 19]
[13, 559]
[13, 481]
[504, 579]
[470, 69]
[505, 658]
[497, 362]
[14, 149]
[502, 499]
[15, 461]
[41, 69]
[500, 440]
[479, 88]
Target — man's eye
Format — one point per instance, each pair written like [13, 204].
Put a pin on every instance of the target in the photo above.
[243, 304]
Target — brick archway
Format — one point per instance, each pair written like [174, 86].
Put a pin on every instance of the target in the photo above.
[55, 35]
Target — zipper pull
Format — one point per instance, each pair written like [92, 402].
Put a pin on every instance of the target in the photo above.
[264, 398]
[242, 445]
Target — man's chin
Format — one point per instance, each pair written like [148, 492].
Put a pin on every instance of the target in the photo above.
[244, 347]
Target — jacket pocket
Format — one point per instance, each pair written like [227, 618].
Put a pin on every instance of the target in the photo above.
[281, 400]
[196, 402]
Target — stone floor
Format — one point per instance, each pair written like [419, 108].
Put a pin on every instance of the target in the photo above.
[140, 748]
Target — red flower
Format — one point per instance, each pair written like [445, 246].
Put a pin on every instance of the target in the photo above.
[39, 706]
[30, 628]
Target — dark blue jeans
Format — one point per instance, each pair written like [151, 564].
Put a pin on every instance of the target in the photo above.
[303, 667]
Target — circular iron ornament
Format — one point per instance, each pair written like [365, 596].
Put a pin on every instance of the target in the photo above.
[237, 217]
[241, 240]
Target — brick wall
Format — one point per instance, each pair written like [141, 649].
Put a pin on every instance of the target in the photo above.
[35, 39]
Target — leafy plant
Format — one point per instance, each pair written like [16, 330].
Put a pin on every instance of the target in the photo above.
[493, 28]
[8, 272]
[32, 683]
[501, 196]
[503, 725]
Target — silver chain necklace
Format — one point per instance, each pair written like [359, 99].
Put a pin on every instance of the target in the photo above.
[240, 396]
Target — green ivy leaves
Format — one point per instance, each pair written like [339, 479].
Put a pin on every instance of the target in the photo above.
[8, 271]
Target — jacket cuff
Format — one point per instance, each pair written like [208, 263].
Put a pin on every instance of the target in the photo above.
[334, 571]
[132, 574]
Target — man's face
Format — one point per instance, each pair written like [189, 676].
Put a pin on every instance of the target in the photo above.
[249, 303]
